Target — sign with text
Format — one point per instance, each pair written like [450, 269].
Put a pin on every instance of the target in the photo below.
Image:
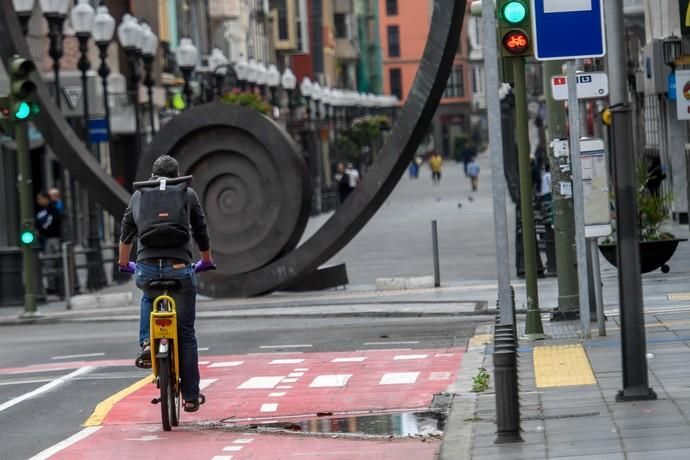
[589, 86]
[683, 94]
[567, 29]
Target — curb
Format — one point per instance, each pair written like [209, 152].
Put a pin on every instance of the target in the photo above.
[457, 441]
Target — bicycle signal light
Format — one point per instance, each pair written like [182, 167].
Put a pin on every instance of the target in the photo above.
[516, 42]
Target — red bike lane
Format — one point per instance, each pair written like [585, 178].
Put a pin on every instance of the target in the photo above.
[247, 391]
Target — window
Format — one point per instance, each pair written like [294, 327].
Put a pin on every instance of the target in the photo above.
[456, 83]
[396, 82]
[392, 7]
[393, 41]
[282, 22]
[340, 25]
[477, 83]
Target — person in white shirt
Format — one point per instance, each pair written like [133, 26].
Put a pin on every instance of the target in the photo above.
[353, 175]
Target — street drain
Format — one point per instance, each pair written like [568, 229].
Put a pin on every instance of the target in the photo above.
[398, 424]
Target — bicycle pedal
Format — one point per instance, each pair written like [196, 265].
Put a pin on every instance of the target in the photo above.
[156, 401]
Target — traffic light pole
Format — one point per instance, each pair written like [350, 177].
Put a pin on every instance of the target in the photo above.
[564, 229]
[21, 138]
[533, 327]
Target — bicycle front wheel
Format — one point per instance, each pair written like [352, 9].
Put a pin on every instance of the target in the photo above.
[167, 396]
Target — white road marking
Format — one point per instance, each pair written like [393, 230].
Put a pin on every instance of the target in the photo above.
[202, 349]
[404, 357]
[205, 383]
[398, 378]
[49, 452]
[261, 382]
[47, 387]
[411, 342]
[146, 438]
[204, 363]
[276, 395]
[301, 369]
[243, 440]
[267, 347]
[284, 387]
[356, 359]
[227, 364]
[86, 355]
[286, 361]
[233, 448]
[288, 381]
[277, 353]
[326, 381]
[444, 355]
[382, 349]
[295, 374]
[269, 407]
[222, 457]
[24, 382]
[439, 376]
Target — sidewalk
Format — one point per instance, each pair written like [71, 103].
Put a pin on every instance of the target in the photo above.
[568, 407]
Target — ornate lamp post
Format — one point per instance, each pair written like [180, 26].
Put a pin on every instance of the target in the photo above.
[252, 74]
[316, 95]
[288, 81]
[130, 34]
[23, 8]
[149, 47]
[242, 69]
[102, 32]
[305, 88]
[273, 81]
[218, 63]
[261, 78]
[55, 12]
[82, 20]
[186, 56]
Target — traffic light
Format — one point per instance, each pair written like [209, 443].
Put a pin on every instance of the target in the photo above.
[22, 105]
[27, 235]
[514, 28]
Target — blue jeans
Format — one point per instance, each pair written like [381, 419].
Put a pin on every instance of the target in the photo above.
[185, 299]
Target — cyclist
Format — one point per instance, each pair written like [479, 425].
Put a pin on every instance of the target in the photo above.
[169, 263]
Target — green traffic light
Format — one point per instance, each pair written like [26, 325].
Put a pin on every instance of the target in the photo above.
[514, 12]
[23, 111]
[27, 237]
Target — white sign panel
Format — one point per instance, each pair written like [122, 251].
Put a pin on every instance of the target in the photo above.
[683, 94]
[595, 188]
[567, 6]
[589, 86]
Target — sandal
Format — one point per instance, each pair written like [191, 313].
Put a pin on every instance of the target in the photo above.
[193, 404]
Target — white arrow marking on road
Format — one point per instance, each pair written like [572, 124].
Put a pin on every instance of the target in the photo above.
[49, 452]
[87, 355]
[47, 387]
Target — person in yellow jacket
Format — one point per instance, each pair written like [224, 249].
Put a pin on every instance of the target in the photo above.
[435, 162]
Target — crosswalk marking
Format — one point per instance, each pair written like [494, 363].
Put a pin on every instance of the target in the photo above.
[261, 382]
[243, 441]
[356, 359]
[327, 381]
[277, 395]
[232, 448]
[269, 407]
[398, 378]
[227, 364]
[287, 361]
[404, 357]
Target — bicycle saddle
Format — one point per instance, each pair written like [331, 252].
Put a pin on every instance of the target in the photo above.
[164, 285]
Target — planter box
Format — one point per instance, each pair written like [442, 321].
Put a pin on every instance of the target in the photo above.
[653, 254]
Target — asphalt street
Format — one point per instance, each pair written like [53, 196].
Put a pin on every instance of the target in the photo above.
[34, 422]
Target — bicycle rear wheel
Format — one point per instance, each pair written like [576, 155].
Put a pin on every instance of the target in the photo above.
[167, 396]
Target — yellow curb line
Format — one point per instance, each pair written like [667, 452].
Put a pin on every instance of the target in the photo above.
[104, 407]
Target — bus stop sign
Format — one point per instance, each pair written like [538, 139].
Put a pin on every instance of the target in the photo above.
[568, 29]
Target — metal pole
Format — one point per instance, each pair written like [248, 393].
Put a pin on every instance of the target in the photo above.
[633, 340]
[563, 228]
[598, 295]
[26, 211]
[103, 72]
[434, 241]
[493, 110]
[578, 199]
[533, 327]
[67, 274]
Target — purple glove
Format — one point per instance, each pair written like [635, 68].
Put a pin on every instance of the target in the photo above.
[204, 265]
[130, 268]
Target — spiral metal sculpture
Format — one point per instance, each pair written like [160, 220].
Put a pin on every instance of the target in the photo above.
[249, 174]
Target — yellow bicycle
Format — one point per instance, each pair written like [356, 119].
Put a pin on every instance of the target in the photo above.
[164, 354]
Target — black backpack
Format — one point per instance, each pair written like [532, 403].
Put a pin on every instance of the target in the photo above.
[163, 213]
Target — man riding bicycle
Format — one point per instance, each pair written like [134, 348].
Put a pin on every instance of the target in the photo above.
[168, 255]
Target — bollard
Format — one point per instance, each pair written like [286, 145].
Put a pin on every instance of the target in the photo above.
[67, 269]
[434, 241]
[507, 397]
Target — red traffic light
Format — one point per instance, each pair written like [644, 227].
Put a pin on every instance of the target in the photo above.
[516, 42]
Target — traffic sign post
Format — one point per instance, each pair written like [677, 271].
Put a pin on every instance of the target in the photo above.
[589, 86]
[567, 29]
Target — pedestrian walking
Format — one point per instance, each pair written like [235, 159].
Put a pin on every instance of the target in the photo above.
[436, 164]
[56, 198]
[468, 154]
[342, 181]
[473, 172]
[352, 175]
[49, 232]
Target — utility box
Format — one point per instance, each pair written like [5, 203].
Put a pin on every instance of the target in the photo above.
[656, 71]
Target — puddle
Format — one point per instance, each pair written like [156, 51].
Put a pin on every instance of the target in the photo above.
[398, 424]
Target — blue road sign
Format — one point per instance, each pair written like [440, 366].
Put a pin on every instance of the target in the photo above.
[567, 29]
[98, 131]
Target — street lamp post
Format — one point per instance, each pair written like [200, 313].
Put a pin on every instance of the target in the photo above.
[55, 12]
[130, 34]
[149, 47]
[218, 64]
[252, 74]
[261, 78]
[242, 69]
[82, 21]
[273, 81]
[305, 88]
[103, 30]
[186, 55]
[23, 8]
[288, 81]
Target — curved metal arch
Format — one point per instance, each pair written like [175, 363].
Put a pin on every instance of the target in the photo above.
[58, 134]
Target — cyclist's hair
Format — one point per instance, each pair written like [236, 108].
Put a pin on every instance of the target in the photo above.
[165, 166]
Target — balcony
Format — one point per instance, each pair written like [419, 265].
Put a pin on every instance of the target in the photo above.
[343, 7]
